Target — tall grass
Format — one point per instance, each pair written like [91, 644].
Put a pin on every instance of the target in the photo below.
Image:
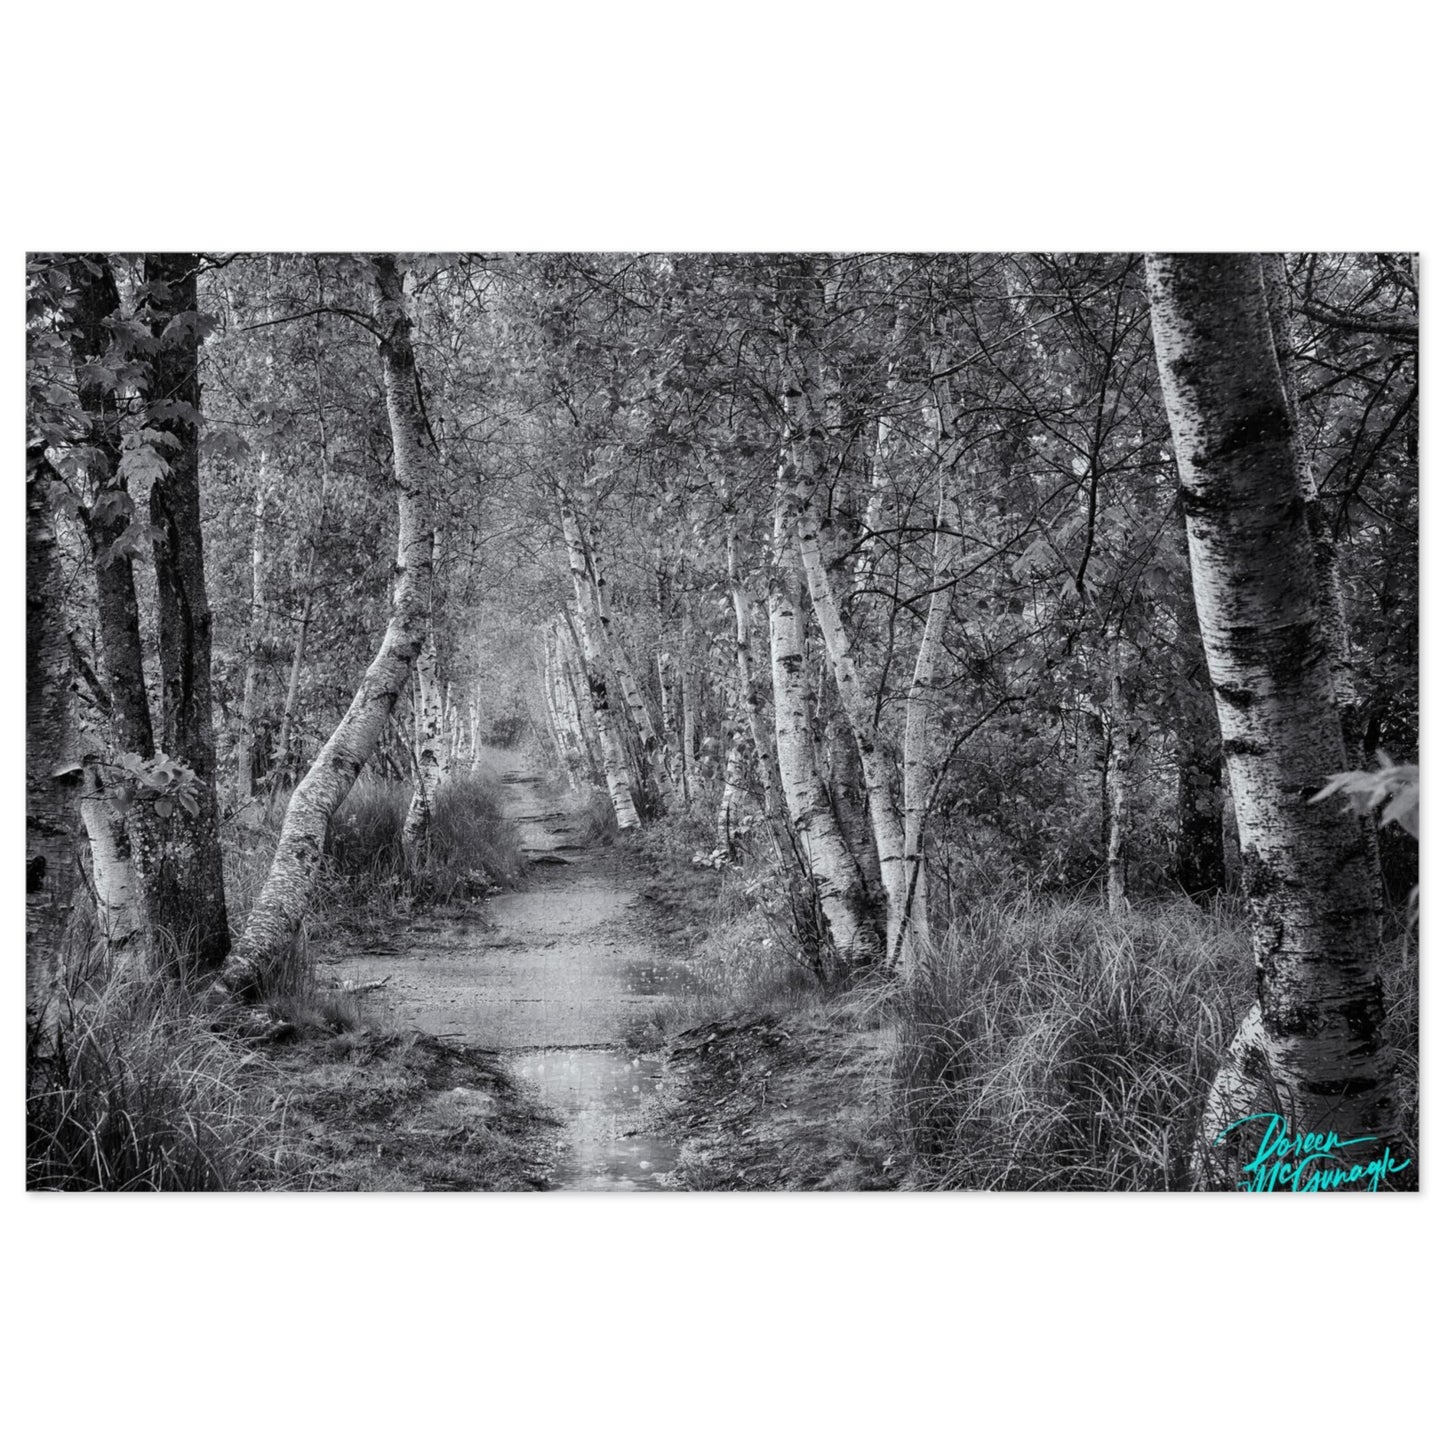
[133, 1091]
[1402, 1023]
[471, 844]
[598, 819]
[366, 871]
[1046, 1045]
[470, 836]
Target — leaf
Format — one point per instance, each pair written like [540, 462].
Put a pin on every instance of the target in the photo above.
[164, 807]
[144, 466]
[181, 411]
[92, 373]
[113, 505]
[1395, 784]
[1405, 810]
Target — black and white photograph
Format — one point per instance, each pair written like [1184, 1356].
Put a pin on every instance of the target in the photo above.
[722, 721]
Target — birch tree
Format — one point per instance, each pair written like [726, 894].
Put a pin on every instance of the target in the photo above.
[132, 476]
[427, 752]
[841, 888]
[804, 442]
[289, 884]
[52, 874]
[594, 657]
[1313, 1042]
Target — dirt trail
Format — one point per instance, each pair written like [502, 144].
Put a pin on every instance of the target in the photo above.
[553, 977]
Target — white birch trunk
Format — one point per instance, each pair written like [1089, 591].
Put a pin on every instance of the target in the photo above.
[574, 675]
[804, 446]
[1310, 885]
[119, 909]
[1120, 790]
[884, 447]
[1326, 557]
[733, 807]
[920, 733]
[667, 686]
[551, 707]
[293, 683]
[691, 769]
[842, 893]
[255, 635]
[614, 757]
[653, 761]
[246, 744]
[748, 689]
[289, 884]
[562, 708]
[298, 655]
[426, 748]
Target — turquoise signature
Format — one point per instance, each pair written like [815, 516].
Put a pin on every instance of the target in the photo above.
[1307, 1163]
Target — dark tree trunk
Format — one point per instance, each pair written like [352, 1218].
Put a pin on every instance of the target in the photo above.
[1199, 856]
[106, 519]
[176, 859]
[188, 897]
[1199, 843]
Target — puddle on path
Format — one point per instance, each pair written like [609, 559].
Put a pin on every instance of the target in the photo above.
[600, 1094]
[554, 977]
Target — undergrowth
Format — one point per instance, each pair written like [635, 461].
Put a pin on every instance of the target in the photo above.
[743, 955]
[132, 1090]
[598, 826]
[130, 1087]
[471, 847]
[1046, 1045]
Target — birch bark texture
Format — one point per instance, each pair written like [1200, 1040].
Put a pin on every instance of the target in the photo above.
[807, 452]
[427, 748]
[749, 691]
[283, 772]
[842, 891]
[921, 734]
[246, 742]
[1313, 1049]
[654, 776]
[594, 661]
[52, 873]
[279, 910]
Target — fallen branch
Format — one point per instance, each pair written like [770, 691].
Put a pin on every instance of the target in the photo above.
[348, 985]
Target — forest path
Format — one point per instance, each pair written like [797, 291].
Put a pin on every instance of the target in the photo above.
[554, 977]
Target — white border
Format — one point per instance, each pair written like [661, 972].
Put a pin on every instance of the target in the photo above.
[653, 126]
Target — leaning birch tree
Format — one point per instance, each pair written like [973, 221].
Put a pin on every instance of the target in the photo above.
[288, 886]
[1312, 1047]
